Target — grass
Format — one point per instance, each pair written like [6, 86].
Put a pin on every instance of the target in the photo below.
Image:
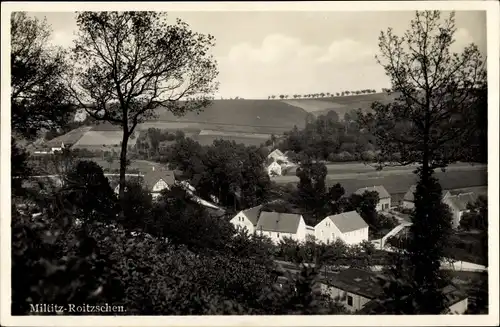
[400, 183]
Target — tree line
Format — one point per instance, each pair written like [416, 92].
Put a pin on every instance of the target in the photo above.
[324, 94]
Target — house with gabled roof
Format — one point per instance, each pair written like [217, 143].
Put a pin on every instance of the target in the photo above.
[247, 219]
[409, 197]
[458, 205]
[346, 226]
[156, 181]
[384, 202]
[277, 226]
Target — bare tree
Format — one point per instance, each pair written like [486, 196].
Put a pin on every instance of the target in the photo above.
[130, 63]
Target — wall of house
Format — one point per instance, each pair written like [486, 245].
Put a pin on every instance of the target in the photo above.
[383, 204]
[459, 307]
[240, 220]
[276, 237]
[356, 236]
[455, 213]
[160, 186]
[326, 231]
[358, 301]
[408, 205]
[274, 167]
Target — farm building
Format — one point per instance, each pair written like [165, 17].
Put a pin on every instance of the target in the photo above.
[247, 219]
[409, 198]
[458, 205]
[280, 225]
[357, 289]
[384, 202]
[274, 169]
[347, 226]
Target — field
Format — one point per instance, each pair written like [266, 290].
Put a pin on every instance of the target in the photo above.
[258, 116]
[340, 105]
[141, 165]
[397, 182]
[242, 116]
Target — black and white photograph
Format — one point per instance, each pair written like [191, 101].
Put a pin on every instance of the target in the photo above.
[257, 163]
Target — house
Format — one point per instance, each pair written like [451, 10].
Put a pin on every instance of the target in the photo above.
[247, 218]
[347, 226]
[458, 205]
[384, 202]
[277, 155]
[156, 181]
[277, 226]
[274, 169]
[409, 198]
[357, 289]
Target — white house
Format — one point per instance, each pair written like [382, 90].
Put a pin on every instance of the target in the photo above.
[247, 219]
[409, 197]
[347, 226]
[274, 169]
[158, 180]
[458, 205]
[278, 155]
[280, 225]
[384, 202]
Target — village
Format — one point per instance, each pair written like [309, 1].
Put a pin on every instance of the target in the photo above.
[143, 179]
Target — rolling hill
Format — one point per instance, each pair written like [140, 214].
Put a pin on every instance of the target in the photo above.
[245, 121]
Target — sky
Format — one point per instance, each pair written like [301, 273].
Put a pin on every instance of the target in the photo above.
[265, 53]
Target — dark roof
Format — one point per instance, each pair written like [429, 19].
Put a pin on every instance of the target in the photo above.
[348, 221]
[356, 281]
[460, 201]
[114, 180]
[152, 177]
[453, 295]
[253, 214]
[410, 196]
[382, 192]
[278, 222]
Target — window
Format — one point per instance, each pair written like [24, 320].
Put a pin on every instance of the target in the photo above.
[349, 300]
[278, 235]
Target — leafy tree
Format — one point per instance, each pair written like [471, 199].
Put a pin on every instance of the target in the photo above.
[334, 196]
[20, 169]
[311, 189]
[127, 64]
[365, 204]
[183, 221]
[477, 216]
[137, 205]
[88, 189]
[428, 125]
[38, 94]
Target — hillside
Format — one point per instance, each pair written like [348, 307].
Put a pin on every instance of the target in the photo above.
[250, 116]
[340, 105]
[245, 121]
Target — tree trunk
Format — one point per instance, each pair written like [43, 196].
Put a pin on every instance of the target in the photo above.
[123, 164]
